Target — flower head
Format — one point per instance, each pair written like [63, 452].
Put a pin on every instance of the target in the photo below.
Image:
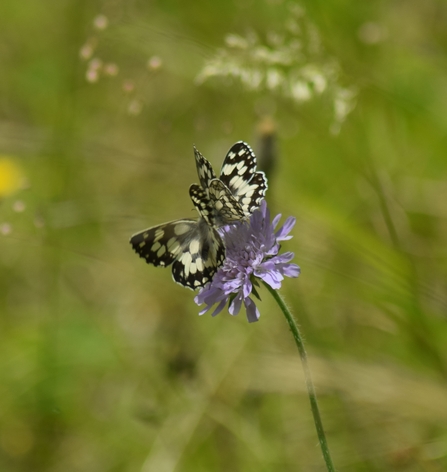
[251, 252]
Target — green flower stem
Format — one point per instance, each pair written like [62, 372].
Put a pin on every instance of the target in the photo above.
[307, 376]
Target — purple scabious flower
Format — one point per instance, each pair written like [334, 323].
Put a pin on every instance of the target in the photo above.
[251, 252]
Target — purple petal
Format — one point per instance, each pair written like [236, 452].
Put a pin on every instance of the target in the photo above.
[282, 258]
[273, 278]
[252, 310]
[273, 250]
[267, 265]
[219, 308]
[204, 310]
[281, 234]
[291, 270]
[265, 211]
[276, 220]
[246, 288]
[235, 305]
[209, 295]
[200, 297]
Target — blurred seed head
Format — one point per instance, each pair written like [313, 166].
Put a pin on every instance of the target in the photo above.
[274, 79]
[92, 75]
[154, 63]
[293, 26]
[290, 62]
[95, 64]
[19, 206]
[135, 107]
[111, 69]
[86, 51]
[300, 91]
[344, 103]
[93, 70]
[275, 39]
[371, 33]
[39, 222]
[236, 41]
[297, 10]
[5, 229]
[100, 22]
[128, 86]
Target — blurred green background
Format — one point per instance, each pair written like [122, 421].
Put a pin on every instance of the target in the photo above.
[104, 363]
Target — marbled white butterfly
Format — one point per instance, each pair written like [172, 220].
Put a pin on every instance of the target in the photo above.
[194, 247]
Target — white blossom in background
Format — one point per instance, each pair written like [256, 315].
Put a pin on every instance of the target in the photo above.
[344, 103]
[290, 62]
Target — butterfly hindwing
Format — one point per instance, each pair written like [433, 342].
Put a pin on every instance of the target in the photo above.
[200, 258]
[216, 204]
[202, 202]
[161, 244]
[227, 209]
[194, 249]
[251, 194]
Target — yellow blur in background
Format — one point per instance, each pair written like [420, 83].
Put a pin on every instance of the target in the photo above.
[11, 177]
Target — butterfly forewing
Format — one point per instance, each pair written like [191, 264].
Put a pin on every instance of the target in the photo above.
[204, 169]
[239, 175]
[239, 163]
[194, 249]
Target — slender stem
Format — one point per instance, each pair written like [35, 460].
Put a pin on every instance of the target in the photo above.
[307, 376]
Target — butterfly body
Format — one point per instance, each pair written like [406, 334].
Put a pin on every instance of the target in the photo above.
[194, 248]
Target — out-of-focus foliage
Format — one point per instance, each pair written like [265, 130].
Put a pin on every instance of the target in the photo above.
[104, 363]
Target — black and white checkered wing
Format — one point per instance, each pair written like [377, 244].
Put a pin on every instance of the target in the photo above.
[240, 176]
[194, 249]
[202, 202]
[204, 169]
[216, 205]
[226, 209]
